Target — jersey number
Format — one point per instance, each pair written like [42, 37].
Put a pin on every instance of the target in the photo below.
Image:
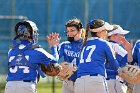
[15, 69]
[91, 50]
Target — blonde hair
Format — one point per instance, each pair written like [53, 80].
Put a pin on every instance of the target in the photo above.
[115, 27]
[83, 34]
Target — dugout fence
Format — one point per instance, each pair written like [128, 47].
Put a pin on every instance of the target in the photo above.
[7, 24]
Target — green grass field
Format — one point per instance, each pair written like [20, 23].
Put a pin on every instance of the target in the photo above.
[47, 88]
[43, 88]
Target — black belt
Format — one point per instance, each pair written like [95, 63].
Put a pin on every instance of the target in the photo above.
[71, 80]
[27, 81]
[108, 78]
[122, 82]
[89, 75]
[115, 79]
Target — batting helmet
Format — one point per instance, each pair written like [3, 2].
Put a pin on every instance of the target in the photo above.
[26, 30]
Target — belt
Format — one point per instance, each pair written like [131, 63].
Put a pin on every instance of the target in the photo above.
[71, 80]
[108, 78]
[115, 79]
[27, 81]
[122, 82]
[23, 81]
[89, 75]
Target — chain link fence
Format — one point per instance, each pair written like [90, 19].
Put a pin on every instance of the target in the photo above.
[7, 24]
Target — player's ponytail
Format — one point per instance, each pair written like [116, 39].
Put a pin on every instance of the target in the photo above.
[93, 24]
[86, 34]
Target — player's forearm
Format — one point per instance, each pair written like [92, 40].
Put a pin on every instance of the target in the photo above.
[55, 52]
[129, 56]
[114, 65]
[111, 72]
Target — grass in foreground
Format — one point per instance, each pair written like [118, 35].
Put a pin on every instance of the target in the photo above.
[42, 88]
[49, 88]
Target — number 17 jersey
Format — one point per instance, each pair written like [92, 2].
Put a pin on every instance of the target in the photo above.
[93, 57]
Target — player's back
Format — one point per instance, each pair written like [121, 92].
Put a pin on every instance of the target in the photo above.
[23, 64]
[136, 53]
[93, 57]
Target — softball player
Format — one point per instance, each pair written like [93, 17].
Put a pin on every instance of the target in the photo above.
[91, 69]
[70, 49]
[123, 56]
[136, 58]
[24, 59]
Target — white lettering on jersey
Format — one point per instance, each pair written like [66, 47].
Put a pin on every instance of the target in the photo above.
[74, 61]
[82, 60]
[25, 69]
[88, 59]
[11, 58]
[71, 53]
[27, 57]
[15, 69]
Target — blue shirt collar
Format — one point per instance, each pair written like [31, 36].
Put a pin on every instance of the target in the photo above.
[112, 41]
[79, 41]
[25, 42]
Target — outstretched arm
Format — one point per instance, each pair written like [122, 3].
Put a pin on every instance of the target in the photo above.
[53, 39]
[128, 47]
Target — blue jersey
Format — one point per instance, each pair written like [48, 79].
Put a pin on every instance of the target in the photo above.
[121, 56]
[136, 53]
[70, 51]
[93, 57]
[20, 71]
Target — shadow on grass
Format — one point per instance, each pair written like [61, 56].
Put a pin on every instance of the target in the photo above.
[2, 87]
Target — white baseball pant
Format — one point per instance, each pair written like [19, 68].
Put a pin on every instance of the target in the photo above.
[68, 86]
[91, 84]
[115, 86]
[20, 87]
[136, 88]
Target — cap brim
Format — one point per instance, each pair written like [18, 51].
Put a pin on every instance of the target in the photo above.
[124, 32]
[108, 26]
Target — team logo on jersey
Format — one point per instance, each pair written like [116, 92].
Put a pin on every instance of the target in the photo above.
[19, 58]
[67, 46]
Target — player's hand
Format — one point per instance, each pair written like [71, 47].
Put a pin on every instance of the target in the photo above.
[53, 39]
[127, 45]
[114, 51]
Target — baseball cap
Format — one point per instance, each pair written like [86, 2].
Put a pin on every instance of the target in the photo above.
[119, 30]
[106, 26]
